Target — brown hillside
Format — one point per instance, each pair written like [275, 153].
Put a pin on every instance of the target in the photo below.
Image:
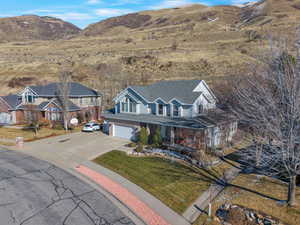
[200, 42]
[190, 15]
[31, 27]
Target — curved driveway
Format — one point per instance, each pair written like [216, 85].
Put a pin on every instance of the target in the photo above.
[34, 192]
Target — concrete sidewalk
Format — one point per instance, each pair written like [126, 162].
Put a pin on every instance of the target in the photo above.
[150, 201]
[201, 204]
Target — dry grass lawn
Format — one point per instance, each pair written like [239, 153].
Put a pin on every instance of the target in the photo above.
[263, 186]
[9, 135]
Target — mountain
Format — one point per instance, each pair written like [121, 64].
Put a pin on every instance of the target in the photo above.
[189, 15]
[192, 42]
[32, 27]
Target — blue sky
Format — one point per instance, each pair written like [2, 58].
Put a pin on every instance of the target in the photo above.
[84, 12]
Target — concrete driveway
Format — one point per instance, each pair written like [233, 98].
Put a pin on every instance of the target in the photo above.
[69, 151]
[34, 192]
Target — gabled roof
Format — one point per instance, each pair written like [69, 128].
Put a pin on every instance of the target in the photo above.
[182, 90]
[52, 90]
[12, 101]
[72, 106]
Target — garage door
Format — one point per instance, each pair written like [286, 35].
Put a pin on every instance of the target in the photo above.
[5, 118]
[124, 132]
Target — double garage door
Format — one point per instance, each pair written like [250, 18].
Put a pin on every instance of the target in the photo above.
[5, 118]
[125, 132]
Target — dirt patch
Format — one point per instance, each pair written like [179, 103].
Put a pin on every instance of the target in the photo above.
[21, 82]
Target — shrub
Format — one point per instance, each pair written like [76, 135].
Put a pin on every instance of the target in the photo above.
[157, 140]
[139, 148]
[143, 136]
[131, 145]
[58, 126]
[252, 35]
[44, 123]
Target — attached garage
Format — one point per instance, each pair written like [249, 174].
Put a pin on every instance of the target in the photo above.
[126, 132]
[5, 118]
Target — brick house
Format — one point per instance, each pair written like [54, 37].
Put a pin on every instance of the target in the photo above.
[84, 104]
[185, 111]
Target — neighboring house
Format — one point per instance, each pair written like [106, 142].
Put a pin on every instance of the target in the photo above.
[43, 101]
[184, 110]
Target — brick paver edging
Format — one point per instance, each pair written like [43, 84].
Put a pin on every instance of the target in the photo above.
[121, 193]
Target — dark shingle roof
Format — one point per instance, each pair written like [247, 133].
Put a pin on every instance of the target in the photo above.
[191, 123]
[12, 100]
[52, 90]
[182, 90]
[43, 105]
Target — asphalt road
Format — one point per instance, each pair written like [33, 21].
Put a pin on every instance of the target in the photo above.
[34, 192]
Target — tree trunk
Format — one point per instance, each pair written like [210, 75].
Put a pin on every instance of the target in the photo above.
[66, 122]
[292, 191]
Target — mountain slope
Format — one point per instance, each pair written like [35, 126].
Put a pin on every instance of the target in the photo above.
[31, 27]
[194, 42]
[192, 14]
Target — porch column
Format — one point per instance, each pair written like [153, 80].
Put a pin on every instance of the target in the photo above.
[172, 136]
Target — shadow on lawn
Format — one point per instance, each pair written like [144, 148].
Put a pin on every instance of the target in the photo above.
[220, 180]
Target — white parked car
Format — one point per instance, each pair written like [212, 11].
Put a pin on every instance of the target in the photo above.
[91, 127]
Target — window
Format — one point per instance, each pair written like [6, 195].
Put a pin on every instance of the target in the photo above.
[169, 110]
[200, 109]
[80, 101]
[175, 110]
[128, 106]
[160, 109]
[29, 98]
[92, 100]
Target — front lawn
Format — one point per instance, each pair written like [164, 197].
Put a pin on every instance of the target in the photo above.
[10, 134]
[175, 184]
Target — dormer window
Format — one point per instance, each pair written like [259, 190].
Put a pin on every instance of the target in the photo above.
[175, 110]
[160, 109]
[29, 98]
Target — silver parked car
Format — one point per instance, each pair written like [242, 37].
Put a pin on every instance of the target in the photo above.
[91, 127]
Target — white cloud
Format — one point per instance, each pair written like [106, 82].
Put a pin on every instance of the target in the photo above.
[107, 12]
[241, 2]
[73, 16]
[172, 4]
[93, 2]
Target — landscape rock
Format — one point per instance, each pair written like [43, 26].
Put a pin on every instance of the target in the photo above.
[239, 215]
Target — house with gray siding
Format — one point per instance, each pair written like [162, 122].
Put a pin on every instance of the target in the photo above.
[185, 111]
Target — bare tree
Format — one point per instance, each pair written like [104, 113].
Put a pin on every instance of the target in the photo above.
[269, 103]
[111, 79]
[63, 95]
[32, 118]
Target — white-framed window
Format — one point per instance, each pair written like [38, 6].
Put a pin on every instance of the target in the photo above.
[160, 109]
[128, 106]
[200, 109]
[92, 100]
[29, 98]
[80, 101]
[175, 110]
